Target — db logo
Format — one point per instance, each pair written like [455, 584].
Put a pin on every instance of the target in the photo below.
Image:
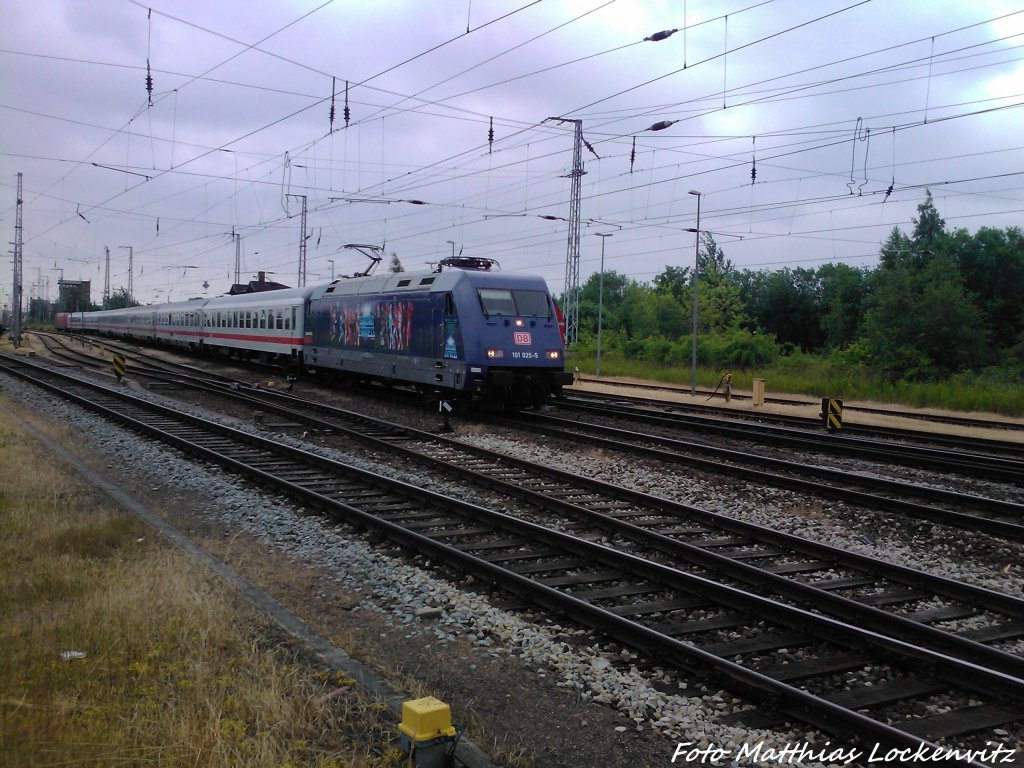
[521, 337]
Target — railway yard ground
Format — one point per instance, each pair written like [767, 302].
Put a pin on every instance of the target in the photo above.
[163, 640]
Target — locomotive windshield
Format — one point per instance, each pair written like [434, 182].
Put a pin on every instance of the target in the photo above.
[519, 303]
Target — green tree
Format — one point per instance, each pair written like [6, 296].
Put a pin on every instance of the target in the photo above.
[609, 296]
[992, 264]
[844, 294]
[638, 319]
[40, 310]
[719, 304]
[897, 251]
[787, 304]
[928, 226]
[922, 323]
[712, 257]
[120, 299]
[667, 315]
[396, 264]
[674, 281]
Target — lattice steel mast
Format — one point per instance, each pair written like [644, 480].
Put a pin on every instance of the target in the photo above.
[571, 297]
[16, 297]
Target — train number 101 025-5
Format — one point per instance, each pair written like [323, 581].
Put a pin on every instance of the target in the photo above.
[526, 355]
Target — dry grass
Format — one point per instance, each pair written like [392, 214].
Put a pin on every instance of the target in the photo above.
[176, 670]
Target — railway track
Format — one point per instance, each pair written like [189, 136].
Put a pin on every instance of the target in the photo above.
[994, 516]
[687, 618]
[62, 346]
[996, 460]
[960, 421]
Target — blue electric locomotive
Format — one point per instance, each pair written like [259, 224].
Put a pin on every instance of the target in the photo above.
[462, 331]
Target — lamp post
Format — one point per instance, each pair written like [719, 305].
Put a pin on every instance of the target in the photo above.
[453, 247]
[600, 302]
[693, 332]
[331, 262]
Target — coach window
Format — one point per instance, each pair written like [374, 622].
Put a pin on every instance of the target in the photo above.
[280, 320]
[263, 318]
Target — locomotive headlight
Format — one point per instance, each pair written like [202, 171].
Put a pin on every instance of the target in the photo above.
[553, 354]
[519, 322]
[493, 354]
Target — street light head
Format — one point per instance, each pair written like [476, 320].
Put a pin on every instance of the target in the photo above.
[695, 192]
[604, 234]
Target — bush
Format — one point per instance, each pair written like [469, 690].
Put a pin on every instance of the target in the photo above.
[656, 349]
[737, 348]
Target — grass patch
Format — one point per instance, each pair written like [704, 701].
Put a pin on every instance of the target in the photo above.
[175, 670]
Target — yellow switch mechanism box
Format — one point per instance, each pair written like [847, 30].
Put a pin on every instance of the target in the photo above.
[426, 718]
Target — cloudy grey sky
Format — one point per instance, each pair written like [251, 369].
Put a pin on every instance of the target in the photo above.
[832, 102]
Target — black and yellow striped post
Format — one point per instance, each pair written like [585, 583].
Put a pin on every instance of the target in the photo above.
[119, 366]
[831, 413]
